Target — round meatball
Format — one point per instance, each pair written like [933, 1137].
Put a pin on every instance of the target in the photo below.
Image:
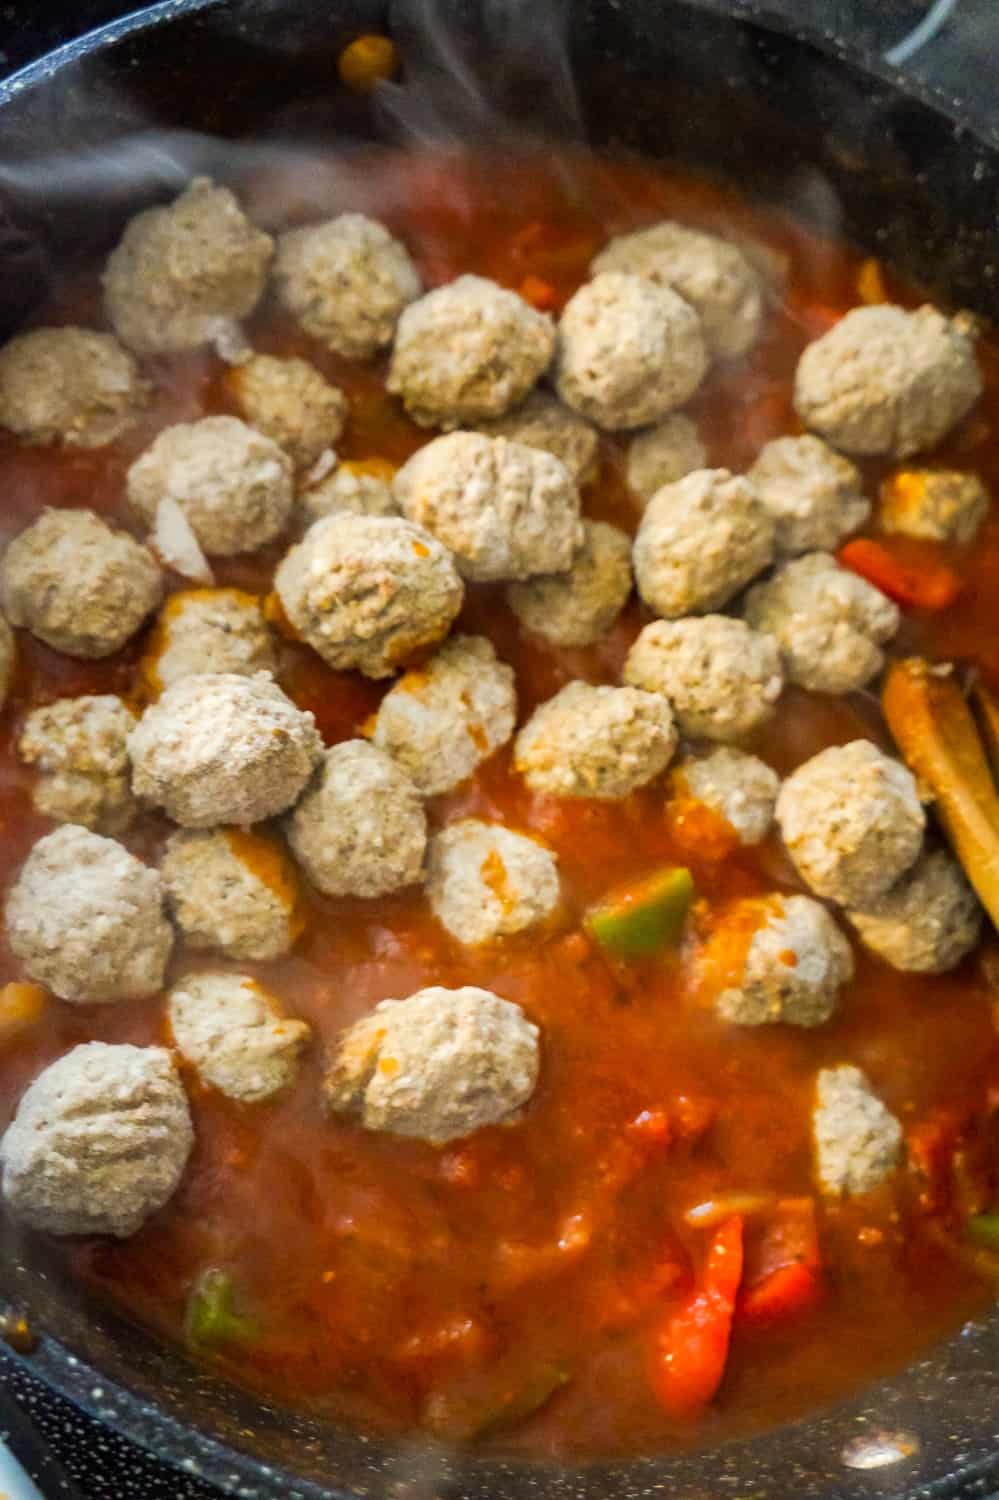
[220, 748]
[360, 829]
[852, 822]
[468, 351]
[578, 607]
[290, 402]
[233, 484]
[663, 454]
[829, 623]
[77, 585]
[796, 964]
[235, 1035]
[721, 678]
[183, 274]
[700, 541]
[85, 918]
[362, 489]
[80, 747]
[441, 721]
[887, 381]
[8, 658]
[601, 742]
[69, 386]
[231, 891]
[812, 493]
[940, 505]
[99, 1142]
[346, 281]
[366, 592]
[858, 1141]
[436, 1066]
[485, 882]
[208, 630]
[738, 788]
[543, 422]
[927, 922]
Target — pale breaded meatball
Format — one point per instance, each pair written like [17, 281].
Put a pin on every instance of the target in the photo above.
[543, 422]
[601, 742]
[99, 1142]
[888, 381]
[8, 658]
[939, 505]
[812, 493]
[829, 623]
[504, 510]
[366, 592]
[236, 1035]
[220, 748]
[579, 606]
[208, 630]
[628, 352]
[360, 828]
[663, 454]
[468, 351]
[927, 922]
[231, 891]
[77, 585]
[485, 882]
[80, 747]
[721, 678]
[852, 822]
[436, 1066]
[858, 1141]
[441, 721]
[346, 281]
[796, 964]
[700, 541]
[290, 402]
[85, 918]
[69, 386]
[738, 788]
[357, 488]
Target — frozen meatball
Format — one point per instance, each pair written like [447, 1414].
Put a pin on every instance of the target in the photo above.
[346, 282]
[208, 630]
[235, 1035]
[231, 891]
[829, 623]
[858, 1141]
[812, 493]
[80, 748]
[99, 1142]
[468, 351]
[710, 273]
[185, 273]
[628, 352]
[852, 822]
[504, 510]
[663, 454]
[8, 658]
[601, 742]
[940, 505]
[485, 882]
[363, 489]
[701, 540]
[77, 585]
[437, 1066]
[290, 402]
[543, 422]
[888, 381]
[70, 386]
[721, 678]
[85, 918]
[220, 748]
[738, 788]
[927, 922]
[233, 484]
[579, 606]
[441, 721]
[366, 592]
[360, 828]
[797, 962]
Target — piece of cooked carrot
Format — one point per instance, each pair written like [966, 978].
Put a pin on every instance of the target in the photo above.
[930, 586]
[539, 293]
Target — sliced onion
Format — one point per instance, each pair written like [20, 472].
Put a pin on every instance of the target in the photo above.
[176, 544]
[714, 1211]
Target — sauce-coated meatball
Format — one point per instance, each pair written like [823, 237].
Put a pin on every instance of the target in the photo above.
[579, 606]
[663, 454]
[812, 493]
[70, 386]
[231, 891]
[356, 488]
[235, 1035]
[738, 788]
[721, 678]
[858, 1141]
[927, 922]
[938, 505]
[486, 882]
[80, 747]
[543, 422]
[600, 742]
[208, 630]
[289, 401]
[796, 964]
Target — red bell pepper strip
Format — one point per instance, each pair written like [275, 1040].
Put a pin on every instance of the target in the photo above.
[785, 1293]
[930, 586]
[691, 1350]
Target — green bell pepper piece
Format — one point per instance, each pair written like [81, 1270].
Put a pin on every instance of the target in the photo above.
[643, 919]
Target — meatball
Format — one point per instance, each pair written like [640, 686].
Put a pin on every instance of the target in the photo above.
[70, 386]
[220, 748]
[940, 505]
[208, 630]
[485, 882]
[183, 274]
[798, 960]
[700, 541]
[543, 422]
[721, 678]
[468, 351]
[887, 381]
[346, 282]
[829, 623]
[579, 606]
[231, 891]
[738, 788]
[628, 352]
[927, 922]
[601, 742]
[85, 919]
[236, 1035]
[80, 746]
[812, 493]
[360, 829]
[858, 1141]
[99, 1142]
[8, 658]
[663, 454]
[442, 721]
[363, 489]
[290, 402]
[504, 510]
[233, 484]
[852, 822]
[77, 585]
[436, 1066]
